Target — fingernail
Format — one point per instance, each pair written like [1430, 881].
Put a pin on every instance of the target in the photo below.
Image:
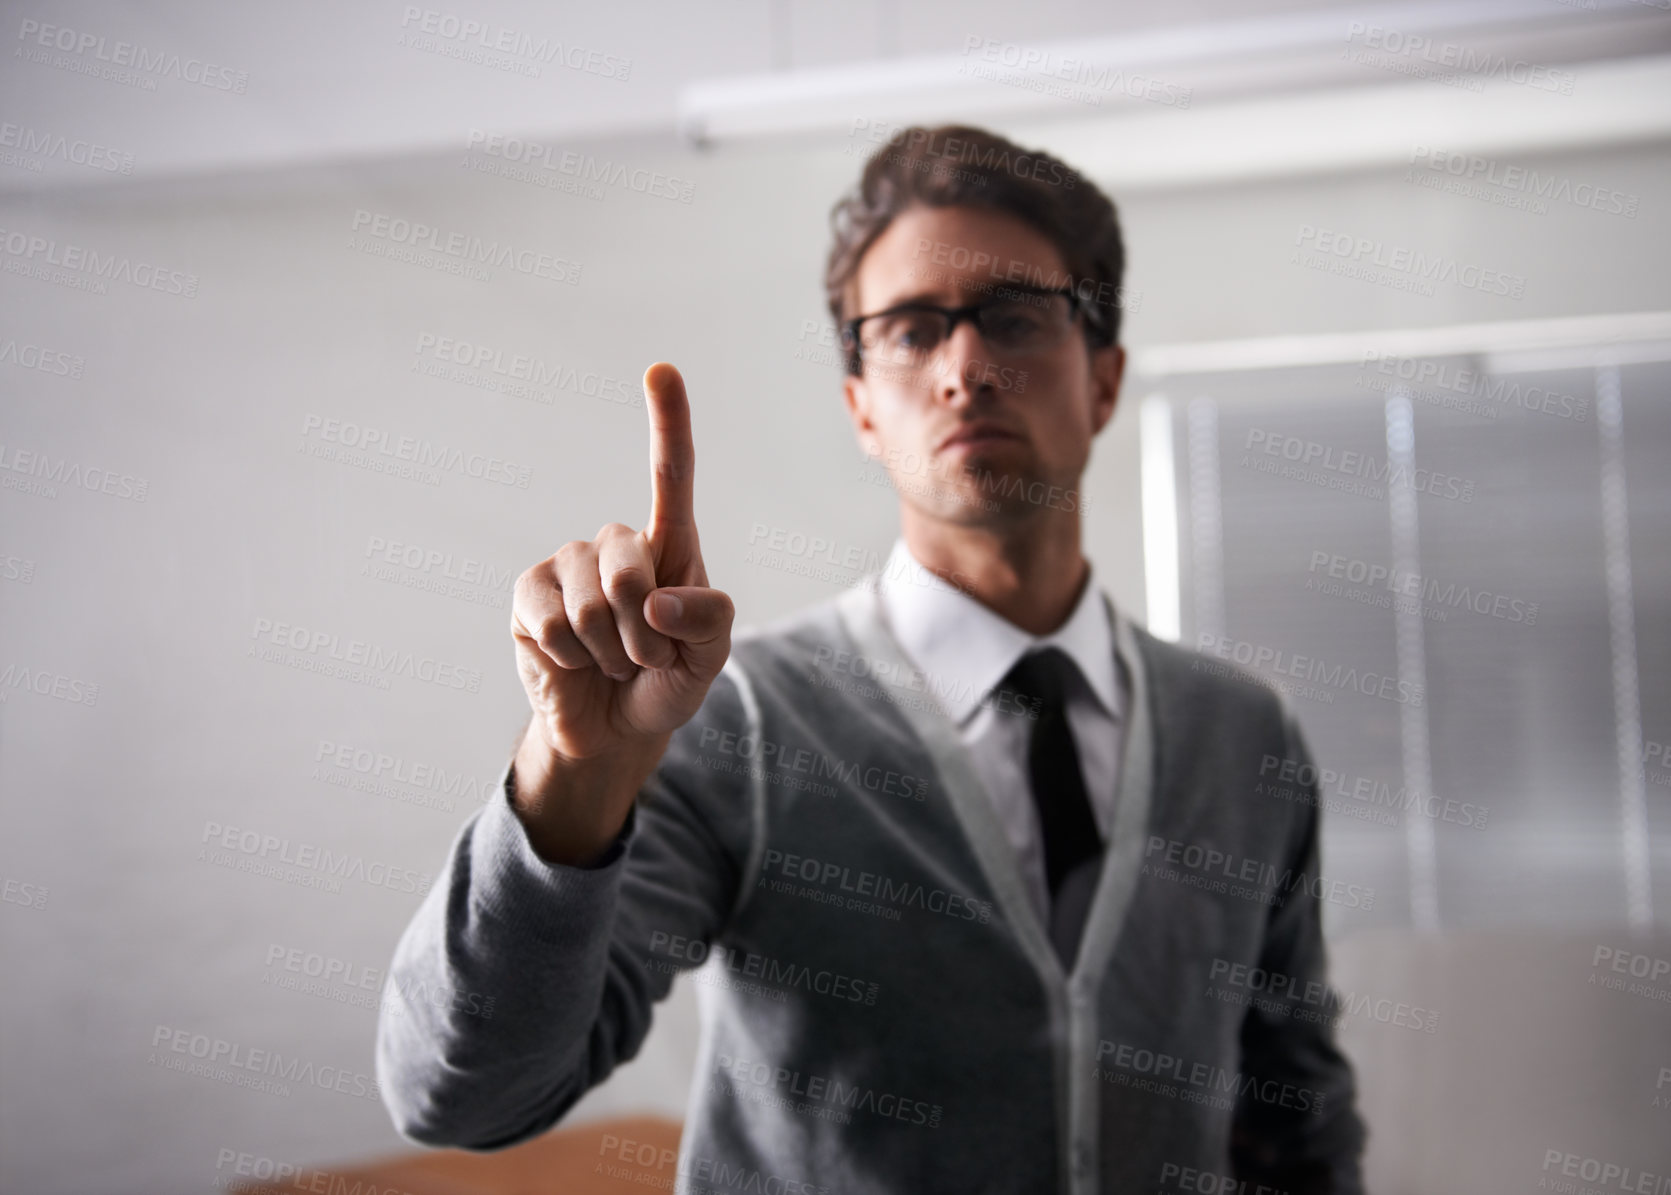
[668, 605]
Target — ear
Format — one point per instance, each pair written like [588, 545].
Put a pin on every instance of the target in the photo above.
[1108, 366]
[856, 394]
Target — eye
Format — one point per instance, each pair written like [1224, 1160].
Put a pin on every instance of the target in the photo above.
[1011, 321]
[911, 330]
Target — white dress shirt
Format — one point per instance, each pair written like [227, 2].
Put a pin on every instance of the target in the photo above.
[965, 649]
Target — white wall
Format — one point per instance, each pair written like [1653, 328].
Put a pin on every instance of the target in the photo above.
[206, 398]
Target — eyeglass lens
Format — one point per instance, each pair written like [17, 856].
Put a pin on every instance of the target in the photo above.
[1035, 321]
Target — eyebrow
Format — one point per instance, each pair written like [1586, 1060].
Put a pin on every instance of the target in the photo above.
[965, 296]
[931, 296]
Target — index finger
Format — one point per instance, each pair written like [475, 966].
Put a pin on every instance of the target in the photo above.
[672, 454]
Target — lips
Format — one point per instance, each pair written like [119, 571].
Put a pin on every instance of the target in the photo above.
[977, 433]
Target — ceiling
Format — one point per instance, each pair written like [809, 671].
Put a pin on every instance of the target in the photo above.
[232, 88]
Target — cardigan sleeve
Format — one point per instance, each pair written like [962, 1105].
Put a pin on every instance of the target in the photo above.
[520, 984]
[1310, 1141]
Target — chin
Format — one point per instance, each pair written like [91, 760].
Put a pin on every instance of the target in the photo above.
[1002, 459]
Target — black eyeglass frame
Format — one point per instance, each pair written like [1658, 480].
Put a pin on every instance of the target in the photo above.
[956, 315]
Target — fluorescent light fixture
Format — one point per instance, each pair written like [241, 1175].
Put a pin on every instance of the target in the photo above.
[1364, 127]
[1166, 71]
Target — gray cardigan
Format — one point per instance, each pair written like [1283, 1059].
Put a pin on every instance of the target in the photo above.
[882, 1008]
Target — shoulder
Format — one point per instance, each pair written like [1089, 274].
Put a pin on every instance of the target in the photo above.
[1196, 686]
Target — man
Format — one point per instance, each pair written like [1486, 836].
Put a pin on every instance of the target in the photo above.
[978, 861]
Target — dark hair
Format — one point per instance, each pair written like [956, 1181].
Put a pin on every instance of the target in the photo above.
[963, 166]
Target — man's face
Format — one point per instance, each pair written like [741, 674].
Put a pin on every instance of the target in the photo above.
[1043, 406]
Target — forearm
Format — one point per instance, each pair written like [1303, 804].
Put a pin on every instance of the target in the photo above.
[573, 809]
[495, 990]
[561, 949]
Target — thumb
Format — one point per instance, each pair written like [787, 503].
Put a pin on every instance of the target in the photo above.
[699, 618]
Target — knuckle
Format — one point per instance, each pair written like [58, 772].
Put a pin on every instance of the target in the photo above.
[532, 580]
[626, 581]
[652, 655]
[612, 531]
[591, 619]
[531, 603]
[673, 469]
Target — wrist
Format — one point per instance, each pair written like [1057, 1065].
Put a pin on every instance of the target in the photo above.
[572, 809]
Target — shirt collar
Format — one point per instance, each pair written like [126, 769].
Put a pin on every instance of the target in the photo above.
[967, 649]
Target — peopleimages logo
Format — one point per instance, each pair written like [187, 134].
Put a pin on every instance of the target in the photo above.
[47, 684]
[1018, 272]
[1348, 470]
[1068, 77]
[1293, 779]
[948, 691]
[217, 1052]
[1418, 54]
[1302, 998]
[376, 769]
[1613, 1176]
[830, 1090]
[931, 143]
[355, 443]
[494, 369]
[1414, 264]
[55, 471]
[1215, 870]
[583, 167]
[624, 1159]
[1471, 168]
[414, 234]
[1312, 670]
[269, 850]
[832, 879]
[780, 974]
[1497, 391]
[386, 661]
[79, 152]
[48, 361]
[422, 26]
[1214, 1085]
[815, 765]
[142, 59]
[466, 569]
[1403, 583]
[32, 253]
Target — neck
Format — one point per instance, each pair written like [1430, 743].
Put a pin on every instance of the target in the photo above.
[1030, 573]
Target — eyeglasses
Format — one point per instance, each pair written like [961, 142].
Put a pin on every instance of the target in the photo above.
[1017, 320]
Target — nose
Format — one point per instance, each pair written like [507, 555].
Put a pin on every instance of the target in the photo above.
[959, 376]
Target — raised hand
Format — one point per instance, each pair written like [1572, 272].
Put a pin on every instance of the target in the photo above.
[619, 637]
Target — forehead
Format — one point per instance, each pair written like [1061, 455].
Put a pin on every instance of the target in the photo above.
[953, 253]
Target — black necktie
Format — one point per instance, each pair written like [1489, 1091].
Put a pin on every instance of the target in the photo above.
[1068, 828]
